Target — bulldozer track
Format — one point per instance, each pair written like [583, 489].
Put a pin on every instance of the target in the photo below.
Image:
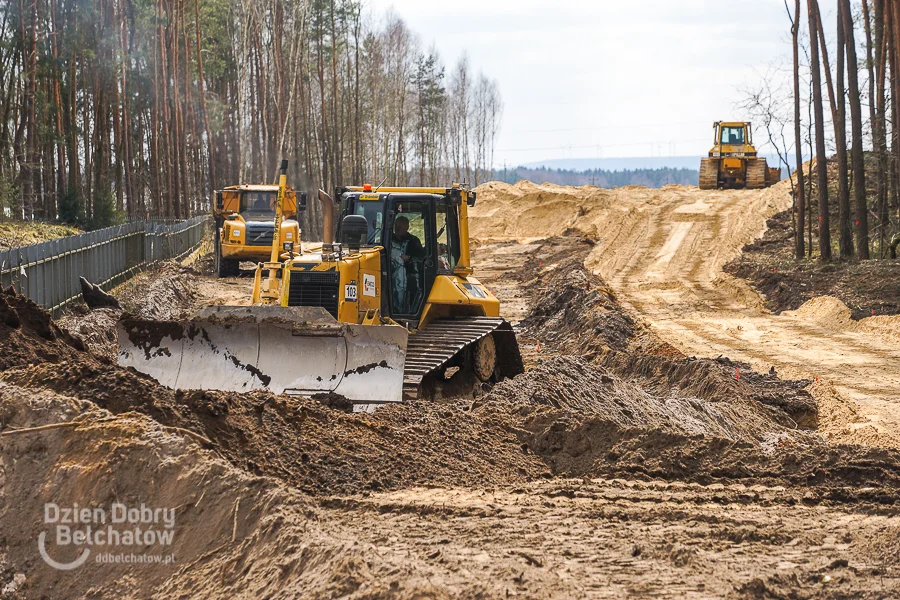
[709, 174]
[756, 173]
[432, 348]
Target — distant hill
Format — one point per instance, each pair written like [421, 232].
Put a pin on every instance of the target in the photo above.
[652, 178]
[614, 172]
[620, 164]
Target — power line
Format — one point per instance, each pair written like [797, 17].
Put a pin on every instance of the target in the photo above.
[604, 127]
[570, 147]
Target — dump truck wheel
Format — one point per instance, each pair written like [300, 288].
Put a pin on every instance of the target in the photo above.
[217, 252]
[229, 268]
[709, 174]
[757, 170]
[485, 358]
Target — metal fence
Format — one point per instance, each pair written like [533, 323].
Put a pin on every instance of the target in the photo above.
[48, 272]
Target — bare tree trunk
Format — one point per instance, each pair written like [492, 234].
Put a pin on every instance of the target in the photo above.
[840, 136]
[876, 69]
[57, 98]
[894, 36]
[857, 159]
[845, 224]
[821, 155]
[29, 172]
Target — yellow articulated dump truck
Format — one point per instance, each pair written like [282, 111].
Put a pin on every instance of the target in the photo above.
[733, 162]
[244, 215]
[387, 308]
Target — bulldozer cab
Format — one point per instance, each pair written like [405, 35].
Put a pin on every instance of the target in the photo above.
[419, 235]
[732, 134]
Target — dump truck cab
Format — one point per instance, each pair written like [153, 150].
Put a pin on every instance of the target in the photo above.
[733, 162]
[245, 217]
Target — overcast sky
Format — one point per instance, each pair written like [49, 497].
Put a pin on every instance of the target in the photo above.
[607, 78]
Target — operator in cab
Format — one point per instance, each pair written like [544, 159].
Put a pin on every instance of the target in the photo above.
[404, 248]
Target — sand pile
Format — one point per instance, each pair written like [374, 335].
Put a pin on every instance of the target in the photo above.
[310, 446]
[530, 211]
[721, 380]
[235, 534]
[618, 219]
[576, 313]
[825, 311]
[831, 313]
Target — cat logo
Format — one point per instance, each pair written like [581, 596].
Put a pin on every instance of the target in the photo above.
[368, 285]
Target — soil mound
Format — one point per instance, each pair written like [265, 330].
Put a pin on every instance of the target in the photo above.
[721, 380]
[95, 328]
[576, 313]
[585, 421]
[831, 313]
[826, 311]
[529, 211]
[576, 387]
[235, 534]
[166, 293]
[28, 335]
[317, 449]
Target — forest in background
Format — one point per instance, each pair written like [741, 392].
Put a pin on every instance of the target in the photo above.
[651, 178]
[127, 108]
[838, 100]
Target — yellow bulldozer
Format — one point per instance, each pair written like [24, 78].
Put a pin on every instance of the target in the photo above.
[243, 219]
[386, 309]
[733, 162]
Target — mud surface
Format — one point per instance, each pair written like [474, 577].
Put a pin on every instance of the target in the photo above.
[616, 466]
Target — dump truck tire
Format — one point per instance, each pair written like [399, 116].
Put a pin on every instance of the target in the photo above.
[229, 267]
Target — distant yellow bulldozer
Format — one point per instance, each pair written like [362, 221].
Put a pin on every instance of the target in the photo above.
[733, 162]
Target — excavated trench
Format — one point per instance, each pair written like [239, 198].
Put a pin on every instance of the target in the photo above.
[274, 491]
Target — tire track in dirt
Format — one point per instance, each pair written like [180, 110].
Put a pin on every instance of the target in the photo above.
[663, 250]
[611, 538]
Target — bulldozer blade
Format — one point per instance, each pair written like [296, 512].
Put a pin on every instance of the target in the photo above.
[294, 350]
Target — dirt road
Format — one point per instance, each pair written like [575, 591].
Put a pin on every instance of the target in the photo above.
[663, 252]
